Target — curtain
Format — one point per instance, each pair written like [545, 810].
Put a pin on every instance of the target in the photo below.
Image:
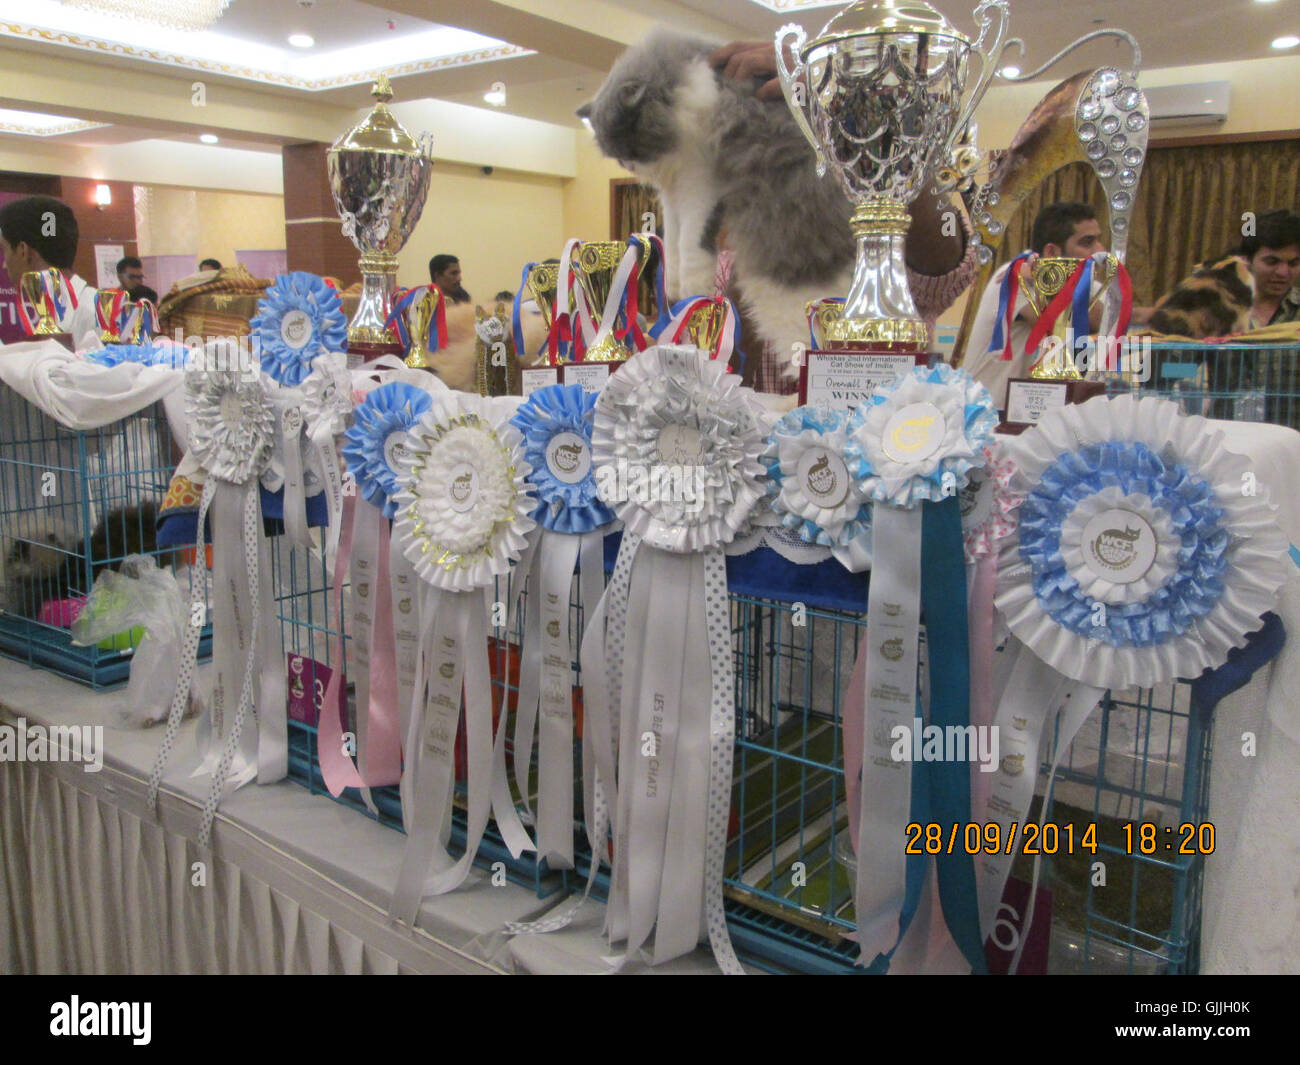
[1189, 208]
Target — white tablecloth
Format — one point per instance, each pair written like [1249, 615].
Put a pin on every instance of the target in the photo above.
[91, 883]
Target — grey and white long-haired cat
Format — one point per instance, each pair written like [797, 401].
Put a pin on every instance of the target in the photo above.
[719, 157]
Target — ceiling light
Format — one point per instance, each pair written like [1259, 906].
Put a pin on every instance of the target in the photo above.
[301, 40]
[175, 14]
[497, 97]
[1286, 42]
[1010, 72]
[209, 138]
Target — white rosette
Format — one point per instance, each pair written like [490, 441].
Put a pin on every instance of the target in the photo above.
[913, 445]
[326, 406]
[232, 423]
[462, 519]
[676, 446]
[1138, 558]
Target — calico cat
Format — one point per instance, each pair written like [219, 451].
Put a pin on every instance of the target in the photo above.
[1215, 301]
[721, 159]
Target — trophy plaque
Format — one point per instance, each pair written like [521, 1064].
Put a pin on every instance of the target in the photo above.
[379, 177]
[878, 95]
[1054, 379]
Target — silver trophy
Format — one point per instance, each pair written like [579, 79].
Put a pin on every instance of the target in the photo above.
[878, 93]
[380, 178]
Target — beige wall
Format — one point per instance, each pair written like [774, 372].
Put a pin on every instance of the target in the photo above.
[586, 197]
[494, 223]
[207, 224]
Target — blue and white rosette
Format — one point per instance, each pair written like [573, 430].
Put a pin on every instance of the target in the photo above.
[231, 425]
[374, 449]
[912, 447]
[299, 318]
[556, 425]
[811, 488]
[1142, 555]
[677, 445]
[462, 520]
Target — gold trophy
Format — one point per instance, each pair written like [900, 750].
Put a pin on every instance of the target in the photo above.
[543, 285]
[496, 366]
[419, 316]
[44, 291]
[1054, 378]
[705, 324]
[104, 300]
[594, 265]
[380, 178]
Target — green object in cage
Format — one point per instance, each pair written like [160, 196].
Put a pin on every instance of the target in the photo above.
[123, 641]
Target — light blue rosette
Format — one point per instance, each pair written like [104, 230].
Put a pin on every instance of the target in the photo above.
[917, 439]
[375, 443]
[556, 424]
[297, 319]
[1138, 557]
[811, 488]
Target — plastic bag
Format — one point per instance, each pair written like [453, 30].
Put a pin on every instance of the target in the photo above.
[139, 594]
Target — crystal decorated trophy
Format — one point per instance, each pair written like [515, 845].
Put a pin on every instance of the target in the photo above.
[380, 178]
[1054, 377]
[879, 96]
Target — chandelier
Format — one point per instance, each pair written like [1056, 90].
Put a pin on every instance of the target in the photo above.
[174, 14]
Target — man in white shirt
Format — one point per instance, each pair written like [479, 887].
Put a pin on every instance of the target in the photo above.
[1062, 229]
[40, 233]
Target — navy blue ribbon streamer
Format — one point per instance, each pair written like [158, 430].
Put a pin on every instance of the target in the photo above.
[997, 342]
[1082, 298]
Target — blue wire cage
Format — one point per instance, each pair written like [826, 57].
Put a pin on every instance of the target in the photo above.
[73, 503]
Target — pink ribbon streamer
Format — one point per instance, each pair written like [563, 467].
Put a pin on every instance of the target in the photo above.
[384, 741]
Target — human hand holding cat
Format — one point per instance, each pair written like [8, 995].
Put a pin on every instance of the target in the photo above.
[749, 61]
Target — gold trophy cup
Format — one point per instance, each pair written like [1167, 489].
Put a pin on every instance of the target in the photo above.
[595, 264]
[1054, 378]
[40, 289]
[419, 315]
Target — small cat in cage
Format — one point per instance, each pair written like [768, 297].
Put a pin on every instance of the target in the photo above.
[44, 560]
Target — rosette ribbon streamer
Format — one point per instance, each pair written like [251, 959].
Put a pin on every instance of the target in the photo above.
[1137, 559]
[556, 425]
[380, 576]
[327, 403]
[677, 443]
[231, 422]
[462, 518]
[912, 447]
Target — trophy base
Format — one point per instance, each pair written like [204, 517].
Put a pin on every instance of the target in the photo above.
[1029, 398]
[361, 352]
[844, 376]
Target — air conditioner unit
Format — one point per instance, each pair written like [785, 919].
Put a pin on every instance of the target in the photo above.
[1200, 103]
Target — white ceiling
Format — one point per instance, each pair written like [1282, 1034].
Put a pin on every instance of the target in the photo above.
[560, 49]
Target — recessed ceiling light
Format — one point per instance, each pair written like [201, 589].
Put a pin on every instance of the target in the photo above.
[1286, 42]
[1265, 1]
[209, 138]
[497, 97]
[1010, 72]
[301, 40]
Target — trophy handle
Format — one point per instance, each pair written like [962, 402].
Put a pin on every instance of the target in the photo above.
[990, 15]
[793, 88]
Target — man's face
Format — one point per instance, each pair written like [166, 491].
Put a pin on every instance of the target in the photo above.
[1085, 240]
[1275, 270]
[131, 276]
[449, 279]
[17, 260]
